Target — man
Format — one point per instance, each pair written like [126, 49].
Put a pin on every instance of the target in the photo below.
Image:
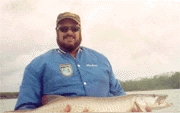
[70, 70]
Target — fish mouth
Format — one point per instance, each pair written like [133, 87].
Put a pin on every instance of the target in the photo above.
[161, 102]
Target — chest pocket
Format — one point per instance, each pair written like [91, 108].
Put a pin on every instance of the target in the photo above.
[60, 76]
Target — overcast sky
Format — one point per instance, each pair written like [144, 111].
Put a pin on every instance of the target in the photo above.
[140, 39]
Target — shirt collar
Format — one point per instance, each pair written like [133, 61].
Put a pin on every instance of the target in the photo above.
[63, 52]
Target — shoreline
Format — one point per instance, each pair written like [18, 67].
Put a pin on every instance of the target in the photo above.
[14, 95]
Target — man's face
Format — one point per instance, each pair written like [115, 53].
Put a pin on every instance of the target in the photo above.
[68, 39]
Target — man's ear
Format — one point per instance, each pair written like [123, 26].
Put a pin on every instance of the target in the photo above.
[56, 32]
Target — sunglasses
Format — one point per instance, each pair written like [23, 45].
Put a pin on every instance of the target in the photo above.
[64, 29]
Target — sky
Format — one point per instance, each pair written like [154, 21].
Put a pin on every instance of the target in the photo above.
[139, 38]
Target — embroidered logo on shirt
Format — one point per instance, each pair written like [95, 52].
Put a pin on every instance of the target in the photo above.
[66, 69]
[91, 65]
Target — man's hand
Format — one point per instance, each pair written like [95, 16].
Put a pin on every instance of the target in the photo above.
[139, 110]
[68, 109]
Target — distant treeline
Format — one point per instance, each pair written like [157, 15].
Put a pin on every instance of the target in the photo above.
[155, 83]
[8, 95]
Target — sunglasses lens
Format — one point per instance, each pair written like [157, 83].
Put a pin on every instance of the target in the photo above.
[63, 29]
[75, 29]
[66, 28]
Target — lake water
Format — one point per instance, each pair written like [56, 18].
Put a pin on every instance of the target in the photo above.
[173, 97]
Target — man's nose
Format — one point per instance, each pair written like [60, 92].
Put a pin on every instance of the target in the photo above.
[69, 31]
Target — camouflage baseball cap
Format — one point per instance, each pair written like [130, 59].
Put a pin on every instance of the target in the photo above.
[64, 15]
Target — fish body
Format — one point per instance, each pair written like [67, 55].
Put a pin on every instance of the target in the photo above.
[103, 104]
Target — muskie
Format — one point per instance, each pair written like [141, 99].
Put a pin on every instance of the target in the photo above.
[103, 104]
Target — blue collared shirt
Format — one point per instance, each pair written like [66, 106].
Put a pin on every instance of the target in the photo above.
[58, 73]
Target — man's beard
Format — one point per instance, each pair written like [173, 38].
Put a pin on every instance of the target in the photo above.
[69, 48]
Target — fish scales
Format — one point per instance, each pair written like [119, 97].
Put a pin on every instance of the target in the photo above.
[93, 104]
[103, 104]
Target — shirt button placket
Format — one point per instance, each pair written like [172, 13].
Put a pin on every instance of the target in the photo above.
[85, 83]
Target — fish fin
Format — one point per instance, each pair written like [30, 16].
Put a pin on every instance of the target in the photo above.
[141, 104]
[134, 108]
[48, 98]
[140, 107]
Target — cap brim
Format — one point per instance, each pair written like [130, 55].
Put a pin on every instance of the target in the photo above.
[69, 18]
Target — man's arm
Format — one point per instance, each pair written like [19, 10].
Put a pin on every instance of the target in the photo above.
[31, 90]
[115, 86]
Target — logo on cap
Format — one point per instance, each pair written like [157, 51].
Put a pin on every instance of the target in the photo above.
[66, 69]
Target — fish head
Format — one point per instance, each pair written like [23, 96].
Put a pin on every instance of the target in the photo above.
[156, 102]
